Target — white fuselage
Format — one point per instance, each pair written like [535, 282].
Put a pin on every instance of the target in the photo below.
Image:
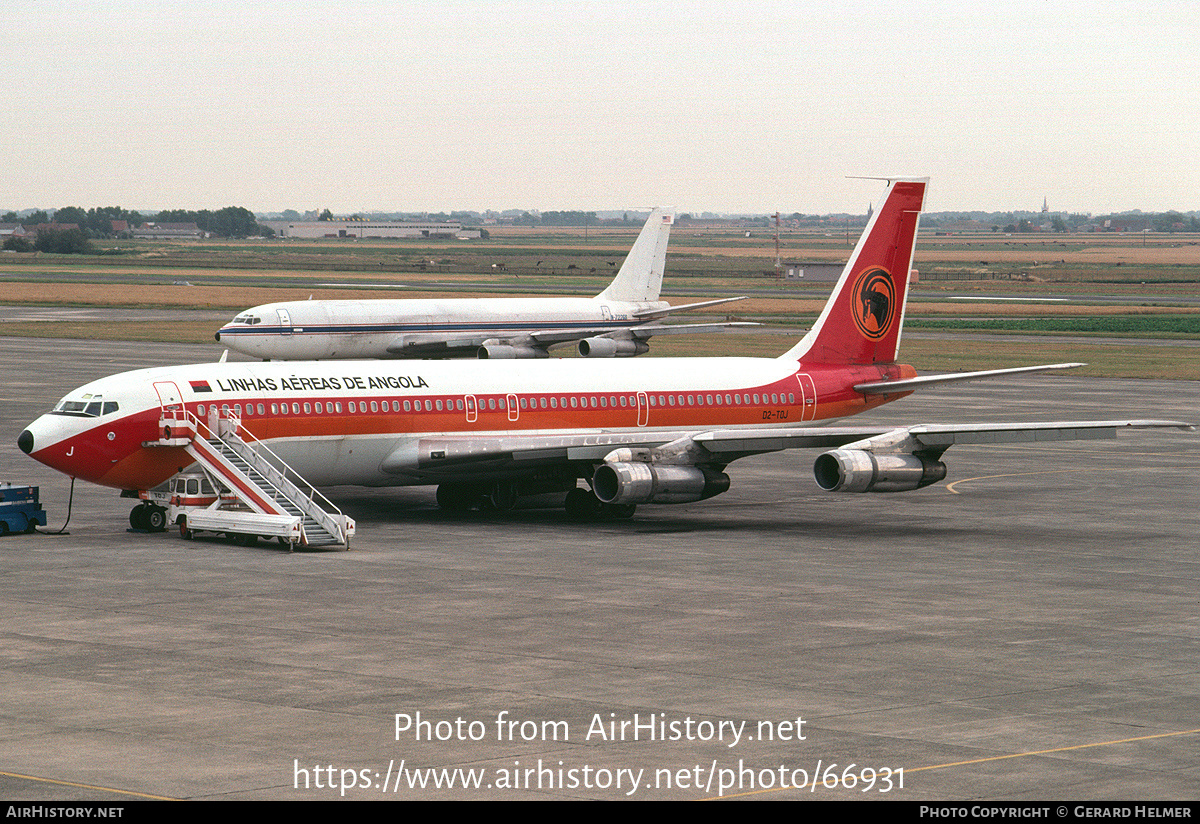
[351, 422]
[351, 329]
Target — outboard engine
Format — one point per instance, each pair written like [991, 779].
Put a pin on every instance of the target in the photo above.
[857, 470]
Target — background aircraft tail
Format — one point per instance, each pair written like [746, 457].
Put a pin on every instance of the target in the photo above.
[862, 321]
[640, 276]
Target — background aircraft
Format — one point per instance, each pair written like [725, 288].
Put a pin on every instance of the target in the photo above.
[615, 323]
[651, 430]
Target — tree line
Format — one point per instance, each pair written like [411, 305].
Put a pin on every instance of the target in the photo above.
[97, 223]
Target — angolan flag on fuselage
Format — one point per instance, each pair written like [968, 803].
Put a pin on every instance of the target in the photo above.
[200, 386]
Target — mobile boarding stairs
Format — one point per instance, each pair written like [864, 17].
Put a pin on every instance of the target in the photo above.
[269, 498]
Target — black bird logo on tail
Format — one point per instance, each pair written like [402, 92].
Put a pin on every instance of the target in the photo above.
[874, 303]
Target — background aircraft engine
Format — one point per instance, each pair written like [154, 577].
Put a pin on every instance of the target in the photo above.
[856, 470]
[643, 483]
[612, 348]
[500, 351]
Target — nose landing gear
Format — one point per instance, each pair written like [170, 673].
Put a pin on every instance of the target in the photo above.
[148, 517]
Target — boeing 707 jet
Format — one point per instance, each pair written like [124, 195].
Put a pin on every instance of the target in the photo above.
[607, 434]
[615, 323]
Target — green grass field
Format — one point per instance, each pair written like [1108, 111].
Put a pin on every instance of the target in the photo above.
[1151, 277]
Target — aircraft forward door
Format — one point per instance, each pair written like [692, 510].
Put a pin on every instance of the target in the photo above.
[808, 397]
[171, 414]
[285, 322]
[169, 397]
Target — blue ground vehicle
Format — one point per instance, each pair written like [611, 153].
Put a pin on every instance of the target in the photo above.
[20, 510]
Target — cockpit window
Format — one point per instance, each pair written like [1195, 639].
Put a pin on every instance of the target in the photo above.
[77, 408]
[92, 406]
[247, 320]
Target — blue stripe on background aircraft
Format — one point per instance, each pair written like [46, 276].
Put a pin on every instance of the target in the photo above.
[615, 323]
[650, 430]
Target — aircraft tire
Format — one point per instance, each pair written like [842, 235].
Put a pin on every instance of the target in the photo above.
[618, 512]
[185, 533]
[137, 517]
[582, 505]
[503, 496]
[456, 497]
[155, 518]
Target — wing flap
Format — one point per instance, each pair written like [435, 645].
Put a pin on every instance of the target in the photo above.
[945, 435]
[434, 345]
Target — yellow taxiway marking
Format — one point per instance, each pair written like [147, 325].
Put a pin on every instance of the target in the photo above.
[950, 487]
[983, 760]
[87, 786]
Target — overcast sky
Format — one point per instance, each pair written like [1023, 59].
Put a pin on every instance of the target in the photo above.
[732, 106]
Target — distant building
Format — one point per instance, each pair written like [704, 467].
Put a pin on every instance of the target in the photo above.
[1126, 224]
[367, 229]
[167, 230]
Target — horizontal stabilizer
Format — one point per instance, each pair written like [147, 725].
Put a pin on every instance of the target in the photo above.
[910, 384]
[649, 330]
[655, 313]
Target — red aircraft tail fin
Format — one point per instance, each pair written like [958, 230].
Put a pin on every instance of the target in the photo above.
[862, 320]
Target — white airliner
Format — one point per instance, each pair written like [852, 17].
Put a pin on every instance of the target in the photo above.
[615, 323]
[650, 430]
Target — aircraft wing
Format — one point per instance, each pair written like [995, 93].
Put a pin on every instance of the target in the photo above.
[465, 345]
[684, 307]
[922, 437]
[500, 456]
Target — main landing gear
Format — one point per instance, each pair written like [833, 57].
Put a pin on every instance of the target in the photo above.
[503, 496]
[583, 505]
[500, 496]
[148, 517]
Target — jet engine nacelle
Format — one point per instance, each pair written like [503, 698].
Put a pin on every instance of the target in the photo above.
[644, 483]
[612, 347]
[856, 470]
[502, 351]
